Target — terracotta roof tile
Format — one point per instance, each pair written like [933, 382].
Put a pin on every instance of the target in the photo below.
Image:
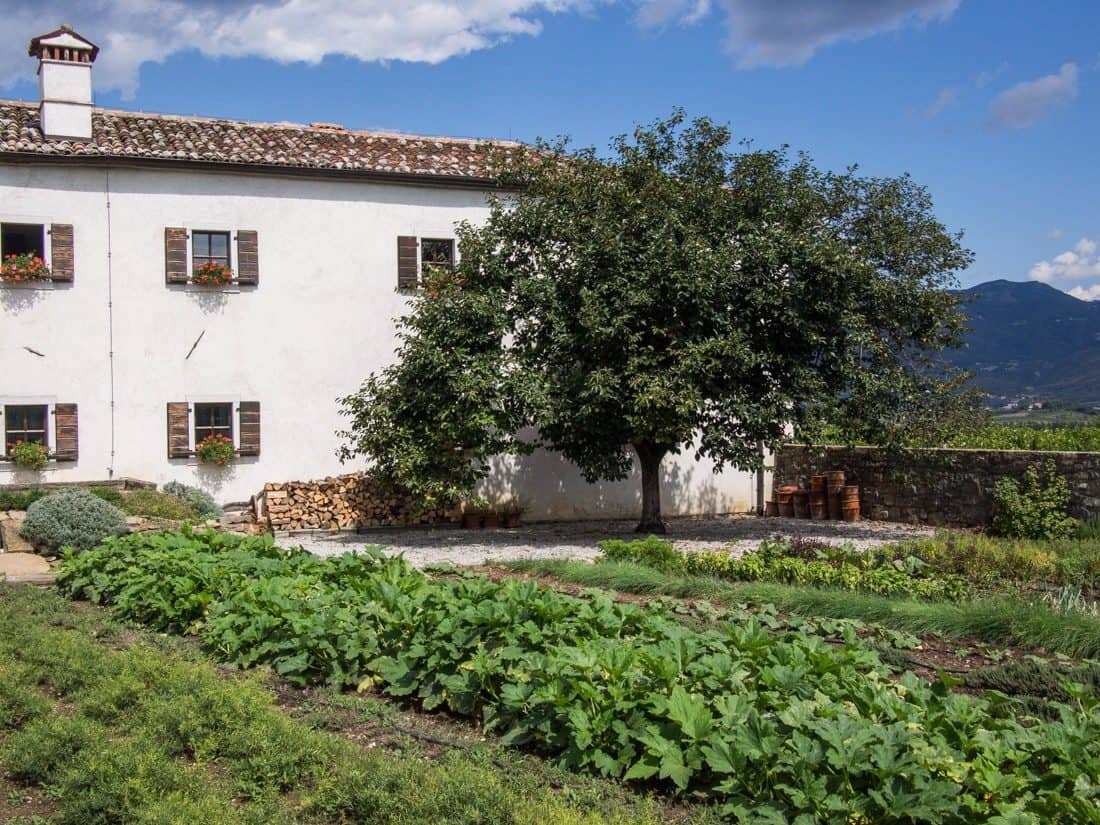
[130, 135]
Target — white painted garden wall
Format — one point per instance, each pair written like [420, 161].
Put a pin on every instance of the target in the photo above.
[321, 319]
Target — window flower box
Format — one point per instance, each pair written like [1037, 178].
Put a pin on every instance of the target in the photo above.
[215, 449]
[212, 274]
[29, 454]
[24, 268]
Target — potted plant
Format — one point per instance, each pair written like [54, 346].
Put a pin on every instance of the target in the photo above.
[510, 513]
[23, 268]
[215, 449]
[473, 514]
[212, 274]
[29, 454]
[490, 519]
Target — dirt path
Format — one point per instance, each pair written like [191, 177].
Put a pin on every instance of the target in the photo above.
[577, 540]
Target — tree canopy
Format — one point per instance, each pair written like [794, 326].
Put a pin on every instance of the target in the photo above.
[675, 295]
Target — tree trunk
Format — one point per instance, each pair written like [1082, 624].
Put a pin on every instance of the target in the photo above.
[649, 457]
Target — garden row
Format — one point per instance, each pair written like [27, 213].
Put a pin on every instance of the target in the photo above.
[772, 726]
[947, 567]
[99, 725]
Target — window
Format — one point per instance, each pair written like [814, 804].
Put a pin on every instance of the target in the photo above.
[213, 419]
[436, 253]
[209, 247]
[25, 422]
[23, 239]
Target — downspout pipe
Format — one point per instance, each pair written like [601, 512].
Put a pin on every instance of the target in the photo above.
[110, 321]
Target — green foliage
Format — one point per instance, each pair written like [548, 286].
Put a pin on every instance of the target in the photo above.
[1084, 438]
[651, 551]
[1003, 620]
[995, 562]
[72, 518]
[111, 495]
[800, 563]
[158, 505]
[20, 499]
[29, 454]
[149, 736]
[18, 704]
[197, 499]
[774, 726]
[643, 303]
[1037, 509]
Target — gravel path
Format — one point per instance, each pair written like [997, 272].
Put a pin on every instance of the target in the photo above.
[577, 540]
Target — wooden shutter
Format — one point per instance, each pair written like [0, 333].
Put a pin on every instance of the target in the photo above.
[61, 251]
[248, 257]
[249, 412]
[179, 429]
[175, 255]
[65, 430]
[407, 275]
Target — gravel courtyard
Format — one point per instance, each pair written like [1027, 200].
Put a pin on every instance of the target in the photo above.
[577, 540]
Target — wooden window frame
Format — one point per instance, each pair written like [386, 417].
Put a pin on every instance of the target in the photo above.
[47, 412]
[424, 264]
[197, 260]
[230, 431]
[44, 245]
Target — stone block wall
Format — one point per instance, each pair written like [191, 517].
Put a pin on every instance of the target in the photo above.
[340, 502]
[937, 487]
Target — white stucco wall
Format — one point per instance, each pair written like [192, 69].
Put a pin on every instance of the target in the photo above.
[318, 323]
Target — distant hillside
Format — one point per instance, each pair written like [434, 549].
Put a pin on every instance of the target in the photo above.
[1031, 340]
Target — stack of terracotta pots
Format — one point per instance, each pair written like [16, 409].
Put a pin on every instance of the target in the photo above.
[828, 498]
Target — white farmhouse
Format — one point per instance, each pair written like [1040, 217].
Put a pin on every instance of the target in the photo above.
[120, 362]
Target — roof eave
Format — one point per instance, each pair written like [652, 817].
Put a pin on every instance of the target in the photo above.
[269, 169]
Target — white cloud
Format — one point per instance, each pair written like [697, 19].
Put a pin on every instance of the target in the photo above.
[1079, 262]
[1085, 293]
[769, 33]
[948, 97]
[1026, 104]
[132, 32]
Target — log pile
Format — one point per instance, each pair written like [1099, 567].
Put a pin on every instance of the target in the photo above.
[342, 502]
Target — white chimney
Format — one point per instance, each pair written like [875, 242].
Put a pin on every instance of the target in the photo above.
[64, 83]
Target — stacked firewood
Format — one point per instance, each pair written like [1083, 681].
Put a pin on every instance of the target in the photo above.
[341, 502]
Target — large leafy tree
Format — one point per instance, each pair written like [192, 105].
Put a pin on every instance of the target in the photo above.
[675, 295]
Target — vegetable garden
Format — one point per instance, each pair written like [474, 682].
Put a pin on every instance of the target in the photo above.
[768, 718]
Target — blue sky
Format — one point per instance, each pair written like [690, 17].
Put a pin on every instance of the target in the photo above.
[994, 105]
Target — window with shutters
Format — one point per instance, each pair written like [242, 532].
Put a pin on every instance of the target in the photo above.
[213, 419]
[206, 257]
[27, 423]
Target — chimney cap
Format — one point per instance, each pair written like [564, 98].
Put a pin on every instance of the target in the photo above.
[64, 38]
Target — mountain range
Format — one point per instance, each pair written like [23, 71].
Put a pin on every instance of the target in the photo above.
[1028, 340]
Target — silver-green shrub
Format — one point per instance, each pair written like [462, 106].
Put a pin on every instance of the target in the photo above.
[199, 500]
[73, 518]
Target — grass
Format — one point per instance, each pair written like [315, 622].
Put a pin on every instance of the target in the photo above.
[1003, 620]
[119, 726]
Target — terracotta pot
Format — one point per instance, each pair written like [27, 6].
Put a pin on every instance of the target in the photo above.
[817, 484]
[490, 520]
[835, 509]
[819, 512]
[509, 519]
[801, 504]
[472, 521]
[851, 513]
[850, 495]
[771, 509]
[834, 481]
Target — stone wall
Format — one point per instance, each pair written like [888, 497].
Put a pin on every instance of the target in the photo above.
[340, 502]
[939, 487]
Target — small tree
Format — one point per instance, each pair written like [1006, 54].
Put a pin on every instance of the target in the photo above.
[673, 296]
